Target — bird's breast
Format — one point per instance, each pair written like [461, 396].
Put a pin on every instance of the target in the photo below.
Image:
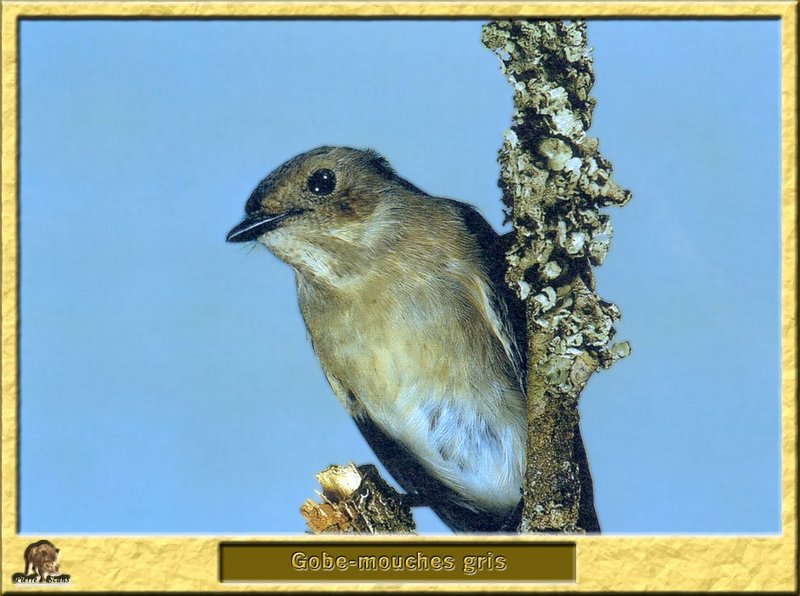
[429, 377]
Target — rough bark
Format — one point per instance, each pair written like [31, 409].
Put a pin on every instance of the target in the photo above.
[554, 184]
[356, 500]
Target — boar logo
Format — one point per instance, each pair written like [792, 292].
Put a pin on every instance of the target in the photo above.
[41, 565]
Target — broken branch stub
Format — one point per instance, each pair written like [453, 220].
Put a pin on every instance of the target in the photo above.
[554, 184]
[356, 500]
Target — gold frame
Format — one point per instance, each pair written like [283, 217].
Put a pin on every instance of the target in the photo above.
[605, 563]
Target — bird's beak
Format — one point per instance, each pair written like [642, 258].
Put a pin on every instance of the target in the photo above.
[258, 224]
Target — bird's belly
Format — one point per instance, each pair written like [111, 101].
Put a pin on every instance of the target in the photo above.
[466, 426]
[476, 452]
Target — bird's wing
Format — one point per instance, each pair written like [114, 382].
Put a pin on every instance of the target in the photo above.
[410, 475]
[504, 311]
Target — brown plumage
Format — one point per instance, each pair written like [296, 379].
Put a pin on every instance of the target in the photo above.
[403, 297]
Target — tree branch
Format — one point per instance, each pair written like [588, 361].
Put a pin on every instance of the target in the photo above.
[554, 183]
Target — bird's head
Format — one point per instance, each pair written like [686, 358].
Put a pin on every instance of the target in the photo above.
[326, 211]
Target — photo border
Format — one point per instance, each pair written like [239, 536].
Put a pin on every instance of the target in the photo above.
[605, 563]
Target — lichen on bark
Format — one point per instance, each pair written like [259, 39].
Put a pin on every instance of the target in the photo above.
[554, 184]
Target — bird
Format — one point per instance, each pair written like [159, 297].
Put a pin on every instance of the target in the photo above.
[403, 297]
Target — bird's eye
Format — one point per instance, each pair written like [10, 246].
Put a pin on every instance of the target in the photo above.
[322, 182]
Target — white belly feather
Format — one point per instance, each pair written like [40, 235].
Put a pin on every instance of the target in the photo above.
[479, 454]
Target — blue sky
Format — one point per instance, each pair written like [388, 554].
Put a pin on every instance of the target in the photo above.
[167, 385]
